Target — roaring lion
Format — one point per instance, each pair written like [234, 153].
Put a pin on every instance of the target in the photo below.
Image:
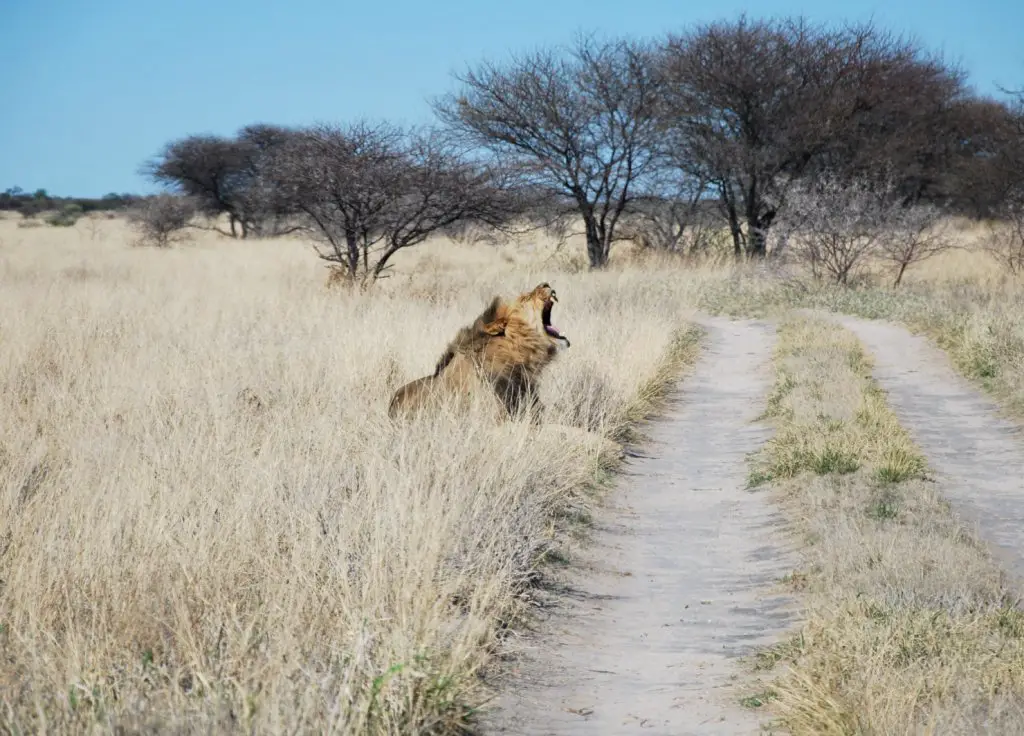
[504, 351]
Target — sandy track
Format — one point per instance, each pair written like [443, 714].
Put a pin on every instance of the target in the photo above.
[977, 455]
[676, 582]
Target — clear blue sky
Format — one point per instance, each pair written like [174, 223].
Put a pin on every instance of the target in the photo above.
[91, 89]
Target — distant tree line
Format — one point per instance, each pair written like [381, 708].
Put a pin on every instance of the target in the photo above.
[740, 126]
[30, 204]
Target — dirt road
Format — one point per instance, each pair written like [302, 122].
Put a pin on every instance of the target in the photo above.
[677, 579]
[977, 455]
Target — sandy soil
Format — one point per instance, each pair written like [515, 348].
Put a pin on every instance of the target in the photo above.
[977, 455]
[679, 577]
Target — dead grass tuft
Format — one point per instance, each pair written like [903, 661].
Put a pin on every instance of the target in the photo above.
[829, 421]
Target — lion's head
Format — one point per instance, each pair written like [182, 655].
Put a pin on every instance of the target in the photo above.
[537, 306]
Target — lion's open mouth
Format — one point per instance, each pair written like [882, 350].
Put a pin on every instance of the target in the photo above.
[546, 318]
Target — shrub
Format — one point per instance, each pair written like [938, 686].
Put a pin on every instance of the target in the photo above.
[67, 216]
[160, 220]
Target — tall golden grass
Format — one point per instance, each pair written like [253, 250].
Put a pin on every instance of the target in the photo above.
[207, 521]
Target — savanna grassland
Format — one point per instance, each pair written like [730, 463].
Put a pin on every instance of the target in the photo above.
[207, 521]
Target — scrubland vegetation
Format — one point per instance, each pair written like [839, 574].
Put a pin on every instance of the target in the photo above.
[207, 521]
[210, 522]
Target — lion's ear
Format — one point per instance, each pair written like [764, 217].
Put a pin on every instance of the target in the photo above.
[495, 318]
[491, 310]
[496, 328]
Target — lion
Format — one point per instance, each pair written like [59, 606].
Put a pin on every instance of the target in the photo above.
[503, 351]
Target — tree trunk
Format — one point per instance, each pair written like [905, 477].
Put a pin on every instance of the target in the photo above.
[899, 275]
[352, 248]
[758, 242]
[382, 262]
[737, 237]
[757, 226]
[732, 216]
[596, 250]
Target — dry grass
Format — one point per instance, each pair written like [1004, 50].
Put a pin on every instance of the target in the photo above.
[207, 522]
[909, 625]
[977, 320]
[979, 324]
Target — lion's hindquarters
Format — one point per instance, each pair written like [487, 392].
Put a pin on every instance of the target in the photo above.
[459, 383]
[410, 397]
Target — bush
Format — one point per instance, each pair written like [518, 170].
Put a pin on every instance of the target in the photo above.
[160, 220]
[838, 227]
[1005, 240]
[67, 216]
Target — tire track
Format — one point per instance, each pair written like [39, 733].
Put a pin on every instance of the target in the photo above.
[676, 581]
[977, 455]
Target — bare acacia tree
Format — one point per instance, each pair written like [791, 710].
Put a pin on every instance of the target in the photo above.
[1004, 240]
[439, 187]
[754, 106]
[914, 233]
[225, 176]
[369, 191]
[264, 212]
[208, 169]
[835, 227]
[346, 181]
[909, 122]
[578, 123]
[160, 220]
[990, 161]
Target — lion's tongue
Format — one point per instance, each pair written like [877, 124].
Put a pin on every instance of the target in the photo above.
[553, 331]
